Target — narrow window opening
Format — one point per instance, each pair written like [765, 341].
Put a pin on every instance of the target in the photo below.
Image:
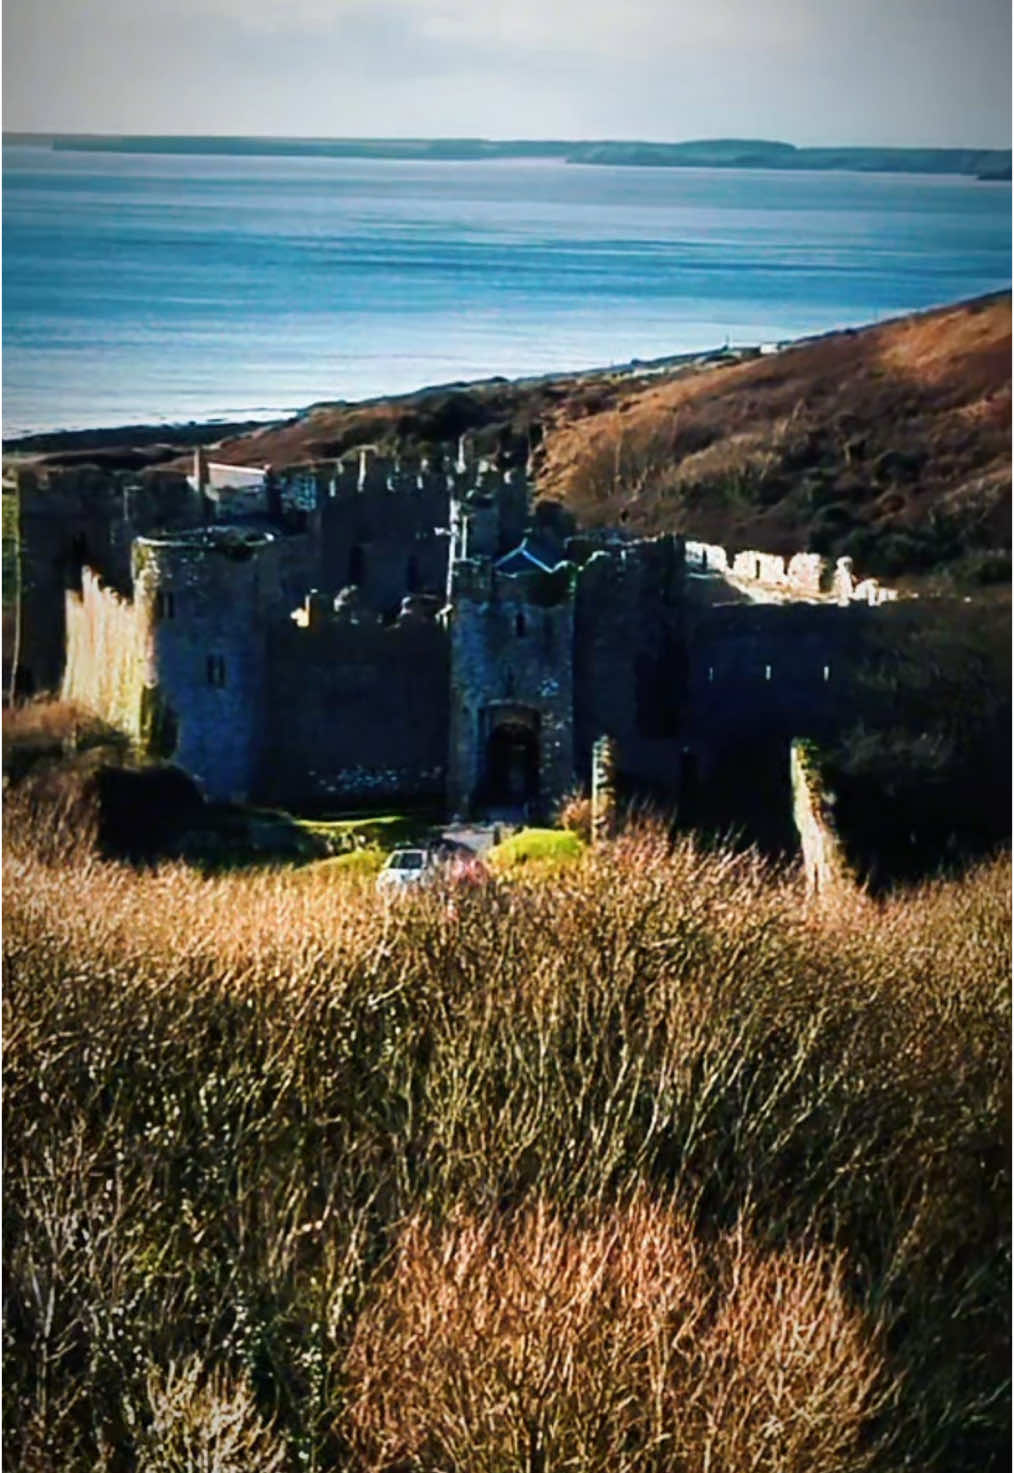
[520, 626]
[216, 670]
[827, 672]
[165, 605]
[767, 672]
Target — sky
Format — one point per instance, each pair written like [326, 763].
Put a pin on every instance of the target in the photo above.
[890, 72]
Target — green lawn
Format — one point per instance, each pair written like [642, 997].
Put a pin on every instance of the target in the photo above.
[540, 849]
[377, 830]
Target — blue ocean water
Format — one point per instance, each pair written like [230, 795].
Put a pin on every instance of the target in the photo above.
[159, 288]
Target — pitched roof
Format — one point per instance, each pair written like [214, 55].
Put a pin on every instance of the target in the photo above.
[529, 554]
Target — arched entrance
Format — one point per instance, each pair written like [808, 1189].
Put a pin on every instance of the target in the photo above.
[511, 766]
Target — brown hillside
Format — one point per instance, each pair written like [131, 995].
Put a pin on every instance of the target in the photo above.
[892, 444]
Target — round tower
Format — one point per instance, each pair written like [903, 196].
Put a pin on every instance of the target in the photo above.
[205, 598]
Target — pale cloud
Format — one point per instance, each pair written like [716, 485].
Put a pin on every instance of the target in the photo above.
[638, 27]
[865, 71]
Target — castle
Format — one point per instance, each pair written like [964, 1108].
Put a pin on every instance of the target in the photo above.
[370, 631]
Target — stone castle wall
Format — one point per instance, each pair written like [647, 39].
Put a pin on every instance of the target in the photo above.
[629, 667]
[825, 866]
[357, 714]
[805, 575]
[205, 600]
[512, 641]
[758, 671]
[70, 518]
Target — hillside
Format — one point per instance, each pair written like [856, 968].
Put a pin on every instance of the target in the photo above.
[891, 444]
[713, 153]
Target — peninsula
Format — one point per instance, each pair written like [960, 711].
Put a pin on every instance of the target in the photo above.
[709, 153]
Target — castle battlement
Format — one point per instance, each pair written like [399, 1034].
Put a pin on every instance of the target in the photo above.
[448, 635]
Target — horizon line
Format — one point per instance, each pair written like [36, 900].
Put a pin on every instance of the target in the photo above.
[8, 132]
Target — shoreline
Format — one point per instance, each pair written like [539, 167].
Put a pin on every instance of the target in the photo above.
[137, 445]
[208, 432]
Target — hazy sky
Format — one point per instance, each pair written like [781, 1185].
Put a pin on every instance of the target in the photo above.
[808, 71]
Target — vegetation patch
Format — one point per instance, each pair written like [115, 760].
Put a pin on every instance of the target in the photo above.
[384, 831]
[546, 849]
[653, 1168]
[46, 731]
[10, 549]
[358, 864]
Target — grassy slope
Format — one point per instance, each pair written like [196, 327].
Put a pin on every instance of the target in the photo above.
[898, 431]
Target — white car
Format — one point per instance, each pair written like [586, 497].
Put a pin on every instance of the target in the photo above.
[406, 868]
[448, 864]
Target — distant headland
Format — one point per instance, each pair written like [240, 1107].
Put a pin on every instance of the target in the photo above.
[712, 153]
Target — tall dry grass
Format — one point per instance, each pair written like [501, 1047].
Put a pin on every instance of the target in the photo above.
[736, 1174]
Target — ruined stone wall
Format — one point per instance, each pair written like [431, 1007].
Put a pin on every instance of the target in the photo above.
[76, 517]
[512, 641]
[357, 713]
[384, 527]
[763, 670]
[629, 656]
[384, 524]
[205, 600]
[107, 657]
[825, 866]
[805, 575]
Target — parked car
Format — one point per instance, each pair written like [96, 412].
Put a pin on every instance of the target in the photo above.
[407, 868]
[445, 864]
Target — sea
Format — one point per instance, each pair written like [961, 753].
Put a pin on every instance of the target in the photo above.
[166, 289]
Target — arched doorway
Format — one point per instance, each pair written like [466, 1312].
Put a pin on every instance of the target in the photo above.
[511, 775]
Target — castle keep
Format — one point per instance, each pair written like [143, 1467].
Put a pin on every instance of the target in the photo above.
[368, 630]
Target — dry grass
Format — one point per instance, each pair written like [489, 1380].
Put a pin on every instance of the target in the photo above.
[898, 432]
[51, 728]
[656, 1111]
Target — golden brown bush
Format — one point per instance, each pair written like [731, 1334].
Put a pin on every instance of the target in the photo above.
[575, 814]
[518, 1343]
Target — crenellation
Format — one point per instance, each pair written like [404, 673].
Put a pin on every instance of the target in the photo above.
[373, 624]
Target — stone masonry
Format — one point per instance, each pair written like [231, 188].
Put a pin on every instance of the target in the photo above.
[372, 630]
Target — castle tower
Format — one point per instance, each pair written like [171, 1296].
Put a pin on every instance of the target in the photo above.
[511, 719]
[205, 599]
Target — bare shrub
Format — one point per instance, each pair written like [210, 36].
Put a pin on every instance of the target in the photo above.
[205, 1423]
[246, 1116]
[575, 813]
[527, 1343]
[790, 1375]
